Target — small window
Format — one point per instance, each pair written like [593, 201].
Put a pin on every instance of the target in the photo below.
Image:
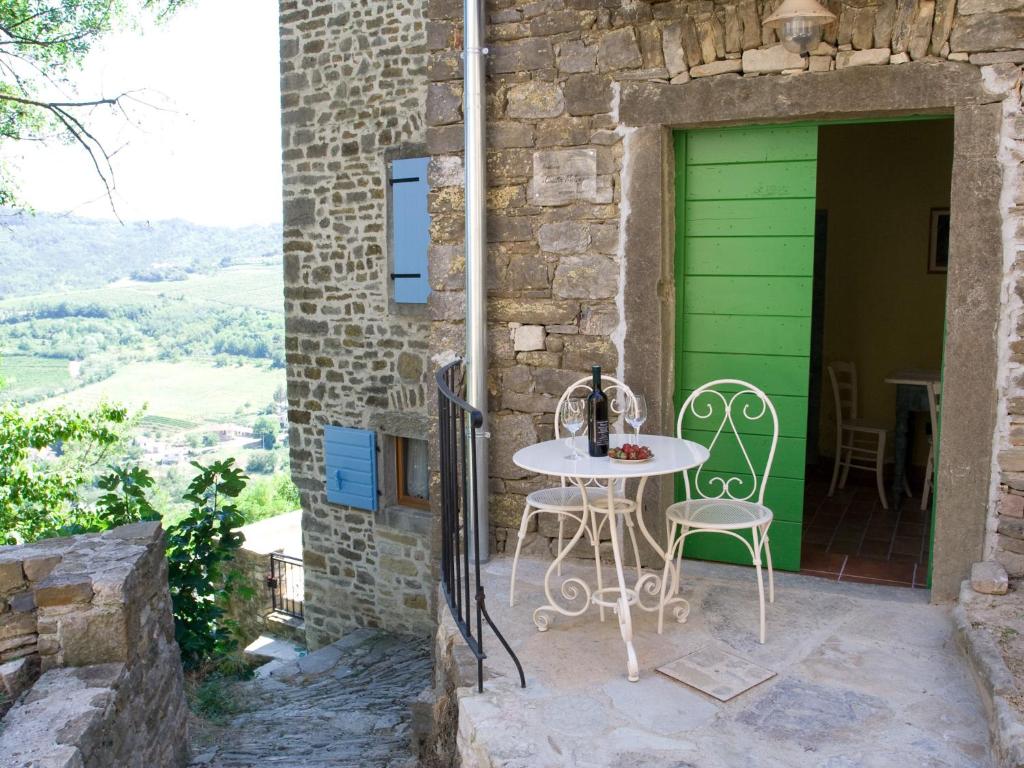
[411, 472]
[410, 230]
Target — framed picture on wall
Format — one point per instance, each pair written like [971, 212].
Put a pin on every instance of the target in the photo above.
[938, 241]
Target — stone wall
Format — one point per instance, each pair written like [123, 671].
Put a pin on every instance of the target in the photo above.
[1006, 539]
[92, 613]
[251, 605]
[353, 84]
[557, 68]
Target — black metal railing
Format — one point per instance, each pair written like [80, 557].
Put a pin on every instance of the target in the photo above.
[286, 583]
[458, 424]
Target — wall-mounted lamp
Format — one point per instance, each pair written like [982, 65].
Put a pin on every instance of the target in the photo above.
[799, 24]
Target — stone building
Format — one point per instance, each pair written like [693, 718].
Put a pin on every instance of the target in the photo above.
[601, 115]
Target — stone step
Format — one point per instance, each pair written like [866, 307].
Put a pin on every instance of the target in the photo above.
[267, 648]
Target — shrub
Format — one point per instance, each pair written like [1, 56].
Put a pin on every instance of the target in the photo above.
[197, 547]
[263, 463]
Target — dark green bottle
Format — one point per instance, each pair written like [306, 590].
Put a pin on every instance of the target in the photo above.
[597, 417]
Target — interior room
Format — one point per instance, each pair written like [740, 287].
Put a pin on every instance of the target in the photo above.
[881, 251]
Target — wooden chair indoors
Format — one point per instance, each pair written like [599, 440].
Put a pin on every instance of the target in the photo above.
[858, 445]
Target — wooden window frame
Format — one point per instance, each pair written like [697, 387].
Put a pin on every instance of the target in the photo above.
[403, 497]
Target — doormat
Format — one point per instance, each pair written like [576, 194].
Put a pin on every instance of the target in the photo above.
[716, 672]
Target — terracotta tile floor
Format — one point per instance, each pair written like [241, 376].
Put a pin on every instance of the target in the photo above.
[849, 537]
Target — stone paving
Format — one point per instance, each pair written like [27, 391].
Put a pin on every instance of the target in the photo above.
[347, 704]
[867, 676]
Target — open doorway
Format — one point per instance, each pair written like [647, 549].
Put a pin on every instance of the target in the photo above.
[881, 250]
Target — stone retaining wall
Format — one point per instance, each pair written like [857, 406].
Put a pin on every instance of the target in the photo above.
[92, 613]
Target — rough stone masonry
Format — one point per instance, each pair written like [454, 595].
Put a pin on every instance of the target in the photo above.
[92, 614]
[363, 84]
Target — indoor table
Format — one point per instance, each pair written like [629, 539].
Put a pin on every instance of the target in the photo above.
[671, 455]
[911, 397]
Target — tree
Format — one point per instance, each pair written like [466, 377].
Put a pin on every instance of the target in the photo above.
[265, 430]
[41, 43]
[39, 497]
[263, 463]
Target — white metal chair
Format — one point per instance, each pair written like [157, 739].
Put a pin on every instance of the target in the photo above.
[859, 445]
[566, 499]
[725, 502]
[934, 397]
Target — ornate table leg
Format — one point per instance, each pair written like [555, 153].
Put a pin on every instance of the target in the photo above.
[665, 584]
[571, 588]
[622, 605]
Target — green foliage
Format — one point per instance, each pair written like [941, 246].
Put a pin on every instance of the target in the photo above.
[40, 498]
[265, 429]
[197, 548]
[268, 497]
[125, 498]
[263, 463]
[74, 331]
[211, 689]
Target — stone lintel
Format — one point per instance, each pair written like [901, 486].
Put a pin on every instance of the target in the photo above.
[918, 87]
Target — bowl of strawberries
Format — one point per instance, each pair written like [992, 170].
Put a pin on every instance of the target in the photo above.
[630, 453]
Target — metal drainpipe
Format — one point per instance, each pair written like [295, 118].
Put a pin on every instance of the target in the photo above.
[474, 62]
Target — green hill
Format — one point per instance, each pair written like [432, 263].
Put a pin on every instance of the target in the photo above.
[46, 253]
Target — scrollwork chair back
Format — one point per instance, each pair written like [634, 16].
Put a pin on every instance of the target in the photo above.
[723, 407]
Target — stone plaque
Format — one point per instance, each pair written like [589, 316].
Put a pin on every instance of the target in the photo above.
[563, 176]
[716, 672]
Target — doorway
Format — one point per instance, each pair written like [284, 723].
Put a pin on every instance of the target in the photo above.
[796, 246]
[883, 194]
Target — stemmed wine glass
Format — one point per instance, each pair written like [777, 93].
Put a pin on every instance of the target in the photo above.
[572, 416]
[636, 413]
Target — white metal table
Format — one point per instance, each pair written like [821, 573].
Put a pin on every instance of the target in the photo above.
[671, 455]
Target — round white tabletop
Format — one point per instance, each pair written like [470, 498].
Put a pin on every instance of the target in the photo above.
[670, 455]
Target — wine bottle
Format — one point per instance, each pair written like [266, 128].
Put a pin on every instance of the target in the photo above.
[597, 417]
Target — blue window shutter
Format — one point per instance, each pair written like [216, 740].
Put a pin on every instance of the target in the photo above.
[350, 461]
[410, 230]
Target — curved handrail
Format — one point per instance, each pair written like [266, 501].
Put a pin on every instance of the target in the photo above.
[476, 418]
[460, 515]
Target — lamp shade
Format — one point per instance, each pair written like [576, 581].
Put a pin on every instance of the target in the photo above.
[799, 24]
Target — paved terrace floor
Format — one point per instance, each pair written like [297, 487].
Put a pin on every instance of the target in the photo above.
[868, 676]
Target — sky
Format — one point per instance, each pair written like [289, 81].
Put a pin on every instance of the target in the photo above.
[208, 151]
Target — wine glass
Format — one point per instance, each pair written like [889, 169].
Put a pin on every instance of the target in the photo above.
[572, 417]
[636, 413]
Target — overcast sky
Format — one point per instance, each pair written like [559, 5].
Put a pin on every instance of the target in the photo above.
[214, 158]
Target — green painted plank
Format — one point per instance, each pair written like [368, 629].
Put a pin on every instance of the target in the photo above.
[726, 456]
[753, 334]
[784, 538]
[791, 410]
[774, 375]
[741, 218]
[784, 495]
[744, 181]
[744, 257]
[752, 144]
[749, 256]
[746, 295]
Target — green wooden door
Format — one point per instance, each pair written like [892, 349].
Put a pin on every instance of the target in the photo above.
[745, 200]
